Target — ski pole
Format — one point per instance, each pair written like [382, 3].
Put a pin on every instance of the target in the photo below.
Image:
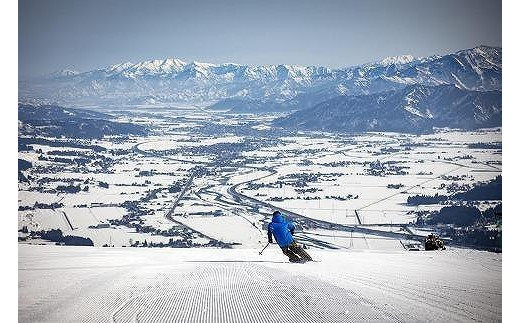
[264, 248]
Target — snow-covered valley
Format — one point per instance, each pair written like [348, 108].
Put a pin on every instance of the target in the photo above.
[209, 177]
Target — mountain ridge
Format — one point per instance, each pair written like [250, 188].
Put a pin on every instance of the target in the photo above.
[413, 109]
[174, 80]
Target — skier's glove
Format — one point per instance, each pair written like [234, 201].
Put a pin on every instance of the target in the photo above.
[270, 240]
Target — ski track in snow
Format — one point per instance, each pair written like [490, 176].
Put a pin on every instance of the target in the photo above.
[77, 284]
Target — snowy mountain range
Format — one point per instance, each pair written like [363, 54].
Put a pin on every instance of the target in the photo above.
[294, 87]
[400, 93]
[413, 109]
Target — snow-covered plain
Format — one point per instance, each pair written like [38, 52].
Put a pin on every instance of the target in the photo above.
[428, 165]
[91, 284]
[336, 180]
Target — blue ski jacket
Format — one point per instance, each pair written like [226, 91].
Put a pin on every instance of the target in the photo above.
[281, 229]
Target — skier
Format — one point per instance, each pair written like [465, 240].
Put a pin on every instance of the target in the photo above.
[432, 242]
[283, 231]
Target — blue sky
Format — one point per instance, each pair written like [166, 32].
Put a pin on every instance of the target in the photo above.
[83, 35]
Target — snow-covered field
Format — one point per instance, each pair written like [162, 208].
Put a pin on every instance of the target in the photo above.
[348, 179]
[91, 284]
[426, 164]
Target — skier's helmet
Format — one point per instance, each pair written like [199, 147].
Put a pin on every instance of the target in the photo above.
[276, 213]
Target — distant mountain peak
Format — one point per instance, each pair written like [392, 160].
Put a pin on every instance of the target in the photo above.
[486, 48]
[148, 67]
[398, 60]
[202, 65]
[174, 61]
[119, 67]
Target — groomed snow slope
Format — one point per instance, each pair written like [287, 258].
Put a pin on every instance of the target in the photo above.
[89, 284]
